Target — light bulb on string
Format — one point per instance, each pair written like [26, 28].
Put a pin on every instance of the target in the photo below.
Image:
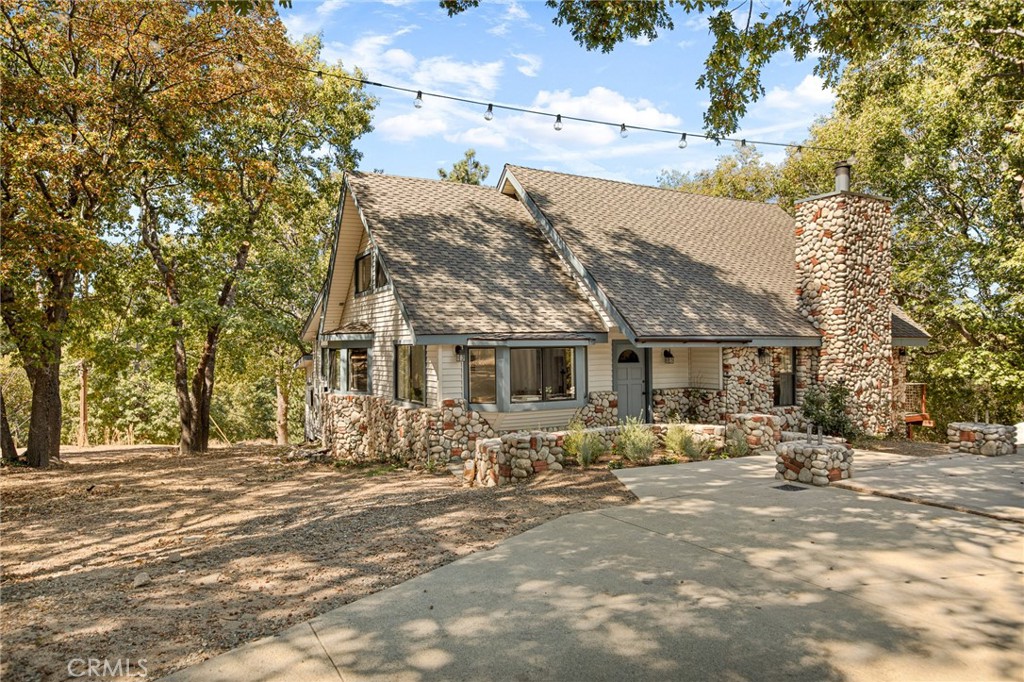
[682, 142]
[318, 79]
[743, 143]
[558, 122]
[623, 131]
[239, 65]
[418, 102]
[489, 114]
[799, 153]
[154, 45]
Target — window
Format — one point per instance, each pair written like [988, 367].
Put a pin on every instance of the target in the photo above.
[783, 361]
[334, 380]
[325, 364]
[363, 272]
[542, 374]
[411, 373]
[358, 374]
[380, 278]
[483, 384]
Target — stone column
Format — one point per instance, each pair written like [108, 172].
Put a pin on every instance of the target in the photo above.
[844, 266]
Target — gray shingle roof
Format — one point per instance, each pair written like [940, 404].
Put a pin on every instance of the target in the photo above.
[904, 327]
[677, 264]
[467, 259]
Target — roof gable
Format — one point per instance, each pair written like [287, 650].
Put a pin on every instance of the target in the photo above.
[677, 265]
[466, 259]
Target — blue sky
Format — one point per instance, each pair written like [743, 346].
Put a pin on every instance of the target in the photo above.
[510, 53]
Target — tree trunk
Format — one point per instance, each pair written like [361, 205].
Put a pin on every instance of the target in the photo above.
[186, 418]
[8, 451]
[83, 405]
[45, 421]
[281, 384]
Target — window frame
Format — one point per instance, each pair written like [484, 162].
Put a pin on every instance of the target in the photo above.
[395, 366]
[349, 374]
[777, 375]
[342, 350]
[544, 379]
[365, 257]
[469, 385]
[503, 378]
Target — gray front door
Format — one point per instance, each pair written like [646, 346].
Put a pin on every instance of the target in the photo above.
[629, 380]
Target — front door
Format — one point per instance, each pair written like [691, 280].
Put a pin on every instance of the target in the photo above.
[629, 381]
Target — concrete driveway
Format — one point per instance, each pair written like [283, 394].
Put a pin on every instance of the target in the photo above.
[715, 574]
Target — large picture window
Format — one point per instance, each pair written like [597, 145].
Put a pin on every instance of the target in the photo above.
[540, 374]
[364, 273]
[411, 373]
[358, 370]
[783, 378]
[483, 377]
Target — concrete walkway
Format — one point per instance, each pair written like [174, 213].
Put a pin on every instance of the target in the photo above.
[715, 574]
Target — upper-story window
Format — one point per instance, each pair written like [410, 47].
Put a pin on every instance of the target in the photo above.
[380, 278]
[364, 272]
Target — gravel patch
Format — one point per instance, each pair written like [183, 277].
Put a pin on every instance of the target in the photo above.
[139, 553]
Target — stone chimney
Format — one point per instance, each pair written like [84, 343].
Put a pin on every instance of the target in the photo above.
[844, 269]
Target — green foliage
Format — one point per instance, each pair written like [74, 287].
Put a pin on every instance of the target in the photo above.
[825, 407]
[17, 397]
[736, 444]
[681, 441]
[741, 175]
[635, 440]
[585, 446]
[468, 170]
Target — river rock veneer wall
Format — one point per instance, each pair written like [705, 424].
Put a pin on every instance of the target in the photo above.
[976, 438]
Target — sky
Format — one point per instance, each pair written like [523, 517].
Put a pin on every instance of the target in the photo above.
[510, 53]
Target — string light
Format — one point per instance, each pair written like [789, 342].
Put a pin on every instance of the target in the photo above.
[318, 80]
[489, 114]
[238, 66]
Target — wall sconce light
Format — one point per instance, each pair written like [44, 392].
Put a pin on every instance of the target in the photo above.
[903, 352]
[460, 352]
[667, 355]
[761, 353]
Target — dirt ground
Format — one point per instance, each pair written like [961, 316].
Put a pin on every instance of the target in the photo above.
[237, 544]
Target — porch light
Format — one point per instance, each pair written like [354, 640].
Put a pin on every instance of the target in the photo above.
[668, 357]
[761, 352]
[460, 352]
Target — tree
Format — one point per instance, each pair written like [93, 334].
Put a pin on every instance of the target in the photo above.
[838, 35]
[468, 170]
[740, 175]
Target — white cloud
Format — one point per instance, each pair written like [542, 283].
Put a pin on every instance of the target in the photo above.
[328, 7]
[299, 25]
[516, 11]
[499, 29]
[373, 55]
[481, 136]
[531, 64]
[809, 93]
[642, 41]
[406, 127]
[473, 77]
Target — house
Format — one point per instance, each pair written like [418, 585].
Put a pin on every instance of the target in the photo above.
[452, 313]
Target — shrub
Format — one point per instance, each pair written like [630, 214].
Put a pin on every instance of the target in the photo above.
[636, 441]
[682, 442]
[736, 444]
[584, 446]
[825, 406]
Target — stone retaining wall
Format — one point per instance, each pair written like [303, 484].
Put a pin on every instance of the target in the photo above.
[813, 463]
[982, 439]
[602, 409]
[367, 428]
[762, 431]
